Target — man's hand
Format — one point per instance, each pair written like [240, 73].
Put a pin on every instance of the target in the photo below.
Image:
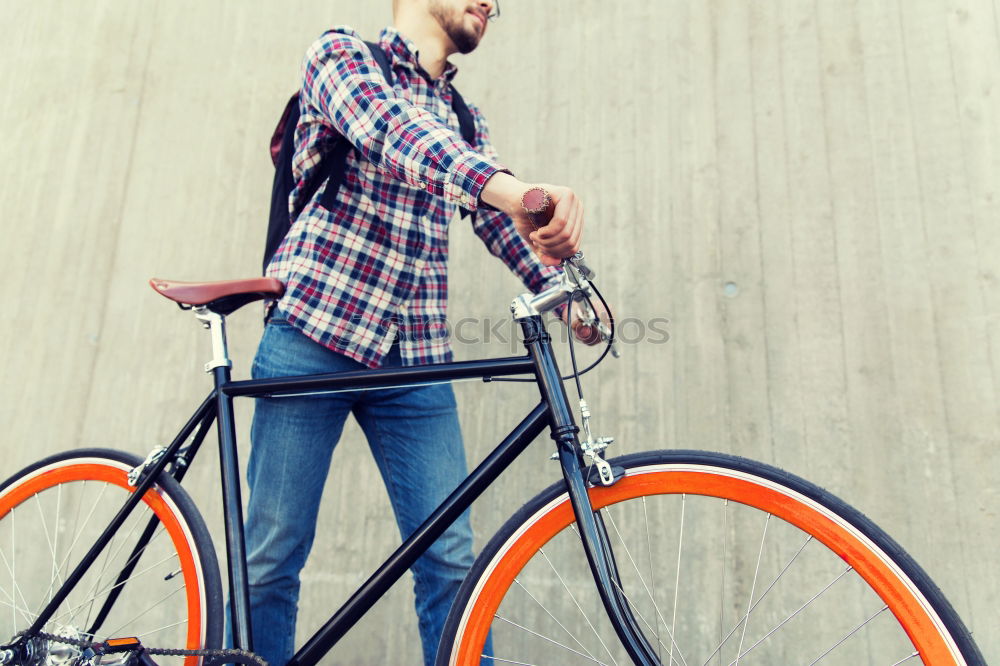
[558, 239]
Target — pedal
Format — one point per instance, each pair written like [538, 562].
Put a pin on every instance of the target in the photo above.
[124, 651]
[113, 645]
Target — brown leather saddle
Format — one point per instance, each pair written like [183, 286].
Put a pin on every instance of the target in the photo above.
[222, 297]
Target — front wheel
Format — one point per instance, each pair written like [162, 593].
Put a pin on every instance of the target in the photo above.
[165, 590]
[722, 560]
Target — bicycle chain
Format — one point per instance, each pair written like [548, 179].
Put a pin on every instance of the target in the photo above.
[214, 655]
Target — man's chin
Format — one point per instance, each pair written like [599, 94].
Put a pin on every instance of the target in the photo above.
[465, 43]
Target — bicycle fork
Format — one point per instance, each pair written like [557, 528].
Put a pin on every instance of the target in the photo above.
[596, 543]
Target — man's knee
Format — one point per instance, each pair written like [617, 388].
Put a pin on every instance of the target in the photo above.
[452, 552]
[273, 564]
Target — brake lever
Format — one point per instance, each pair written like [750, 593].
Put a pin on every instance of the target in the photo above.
[606, 336]
[577, 262]
[590, 317]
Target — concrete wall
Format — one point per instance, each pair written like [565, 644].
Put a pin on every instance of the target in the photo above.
[808, 191]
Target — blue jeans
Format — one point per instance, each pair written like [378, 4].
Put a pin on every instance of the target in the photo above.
[415, 437]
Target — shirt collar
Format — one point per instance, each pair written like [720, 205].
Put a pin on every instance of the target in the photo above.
[403, 48]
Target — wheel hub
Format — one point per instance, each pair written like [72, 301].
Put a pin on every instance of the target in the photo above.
[57, 653]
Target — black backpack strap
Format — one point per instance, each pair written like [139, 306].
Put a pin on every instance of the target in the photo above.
[467, 127]
[282, 148]
[335, 162]
[466, 123]
[331, 168]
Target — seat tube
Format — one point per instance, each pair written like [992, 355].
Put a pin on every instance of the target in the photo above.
[232, 505]
[564, 431]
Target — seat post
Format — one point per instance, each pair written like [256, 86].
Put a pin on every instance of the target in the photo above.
[216, 324]
[232, 503]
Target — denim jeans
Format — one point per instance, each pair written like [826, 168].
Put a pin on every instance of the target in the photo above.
[415, 438]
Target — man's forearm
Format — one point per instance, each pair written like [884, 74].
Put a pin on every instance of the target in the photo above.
[503, 191]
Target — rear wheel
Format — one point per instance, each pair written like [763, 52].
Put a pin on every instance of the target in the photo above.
[722, 561]
[52, 512]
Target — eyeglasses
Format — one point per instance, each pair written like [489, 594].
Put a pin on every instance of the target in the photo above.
[495, 12]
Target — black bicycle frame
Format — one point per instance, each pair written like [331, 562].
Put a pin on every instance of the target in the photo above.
[553, 411]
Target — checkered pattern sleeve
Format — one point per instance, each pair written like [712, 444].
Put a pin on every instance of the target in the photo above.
[497, 230]
[343, 85]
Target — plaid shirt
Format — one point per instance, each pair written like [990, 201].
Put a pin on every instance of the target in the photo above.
[374, 268]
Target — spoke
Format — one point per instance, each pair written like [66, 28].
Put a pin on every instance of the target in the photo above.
[579, 608]
[781, 573]
[546, 638]
[652, 580]
[9, 600]
[905, 659]
[794, 613]
[160, 530]
[12, 568]
[646, 622]
[132, 618]
[24, 611]
[80, 530]
[98, 580]
[753, 587]
[656, 608]
[547, 612]
[677, 574]
[76, 521]
[84, 524]
[722, 598]
[506, 661]
[55, 546]
[126, 541]
[13, 579]
[144, 634]
[56, 572]
[849, 634]
[96, 594]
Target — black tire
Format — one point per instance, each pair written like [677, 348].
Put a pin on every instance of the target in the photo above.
[768, 546]
[173, 598]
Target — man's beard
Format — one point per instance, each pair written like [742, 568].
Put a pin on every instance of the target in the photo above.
[464, 40]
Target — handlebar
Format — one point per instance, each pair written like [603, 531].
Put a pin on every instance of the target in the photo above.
[575, 283]
[537, 203]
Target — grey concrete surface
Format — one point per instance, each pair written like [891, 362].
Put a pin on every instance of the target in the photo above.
[806, 190]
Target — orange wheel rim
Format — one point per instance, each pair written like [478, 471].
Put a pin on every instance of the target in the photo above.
[903, 601]
[119, 477]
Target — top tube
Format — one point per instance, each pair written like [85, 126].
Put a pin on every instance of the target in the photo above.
[381, 377]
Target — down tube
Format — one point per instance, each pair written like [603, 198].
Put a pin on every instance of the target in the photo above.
[418, 542]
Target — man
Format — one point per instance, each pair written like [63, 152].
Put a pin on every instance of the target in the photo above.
[363, 280]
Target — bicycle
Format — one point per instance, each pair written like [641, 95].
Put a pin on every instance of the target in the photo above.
[98, 546]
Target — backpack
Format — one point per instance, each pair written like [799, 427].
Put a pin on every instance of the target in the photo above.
[331, 166]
